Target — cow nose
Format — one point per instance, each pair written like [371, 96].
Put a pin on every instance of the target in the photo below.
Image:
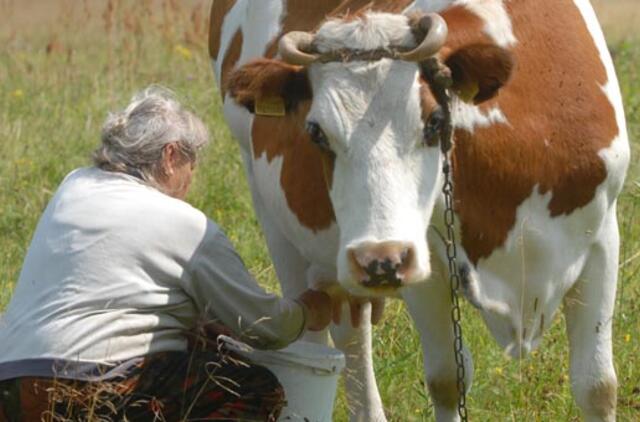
[385, 264]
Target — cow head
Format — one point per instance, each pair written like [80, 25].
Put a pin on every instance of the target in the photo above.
[374, 116]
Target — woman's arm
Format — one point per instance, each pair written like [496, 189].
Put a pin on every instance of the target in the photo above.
[223, 289]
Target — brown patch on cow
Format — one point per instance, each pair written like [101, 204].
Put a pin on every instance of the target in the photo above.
[219, 10]
[602, 398]
[444, 392]
[231, 59]
[558, 116]
[465, 28]
[306, 174]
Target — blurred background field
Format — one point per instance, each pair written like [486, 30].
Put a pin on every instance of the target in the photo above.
[65, 63]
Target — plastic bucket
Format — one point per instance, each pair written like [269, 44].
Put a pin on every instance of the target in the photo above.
[308, 372]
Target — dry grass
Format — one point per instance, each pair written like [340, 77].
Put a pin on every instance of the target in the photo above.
[619, 18]
[32, 18]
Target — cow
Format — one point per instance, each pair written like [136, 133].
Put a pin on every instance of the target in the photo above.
[337, 107]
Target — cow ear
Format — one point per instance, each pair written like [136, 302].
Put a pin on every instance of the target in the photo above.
[479, 71]
[270, 85]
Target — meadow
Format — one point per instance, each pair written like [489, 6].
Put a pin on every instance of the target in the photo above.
[65, 64]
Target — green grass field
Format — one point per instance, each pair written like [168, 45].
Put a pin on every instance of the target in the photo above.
[59, 79]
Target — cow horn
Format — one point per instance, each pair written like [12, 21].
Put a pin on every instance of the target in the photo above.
[294, 47]
[435, 29]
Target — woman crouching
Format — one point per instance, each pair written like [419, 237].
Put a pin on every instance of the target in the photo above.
[118, 274]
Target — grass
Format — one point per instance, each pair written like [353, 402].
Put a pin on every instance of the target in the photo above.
[64, 69]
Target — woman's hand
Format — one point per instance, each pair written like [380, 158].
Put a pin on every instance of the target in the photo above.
[319, 309]
[340, 296]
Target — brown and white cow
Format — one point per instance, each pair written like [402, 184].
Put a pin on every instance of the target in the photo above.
[337, 137]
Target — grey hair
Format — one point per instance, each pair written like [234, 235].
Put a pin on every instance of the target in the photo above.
[133, 139]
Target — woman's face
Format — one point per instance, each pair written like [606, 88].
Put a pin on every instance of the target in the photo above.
[177, 173]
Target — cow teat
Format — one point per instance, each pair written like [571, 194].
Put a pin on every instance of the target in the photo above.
[382, 265]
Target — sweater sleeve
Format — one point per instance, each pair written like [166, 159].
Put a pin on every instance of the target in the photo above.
[224, 290]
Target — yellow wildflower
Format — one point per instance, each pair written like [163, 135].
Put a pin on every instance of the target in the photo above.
[627, 338]
[183, 51]
[18, 93]
[499, 371]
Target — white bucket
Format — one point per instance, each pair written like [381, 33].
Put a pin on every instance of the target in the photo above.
[308, 372]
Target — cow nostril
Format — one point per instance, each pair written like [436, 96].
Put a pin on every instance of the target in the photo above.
[372, 268]
[388, 266]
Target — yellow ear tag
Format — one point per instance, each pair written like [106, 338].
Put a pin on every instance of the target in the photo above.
[468, 92]
[270, 106]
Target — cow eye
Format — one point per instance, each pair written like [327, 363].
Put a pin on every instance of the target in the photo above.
[318, 136]
[433, 126]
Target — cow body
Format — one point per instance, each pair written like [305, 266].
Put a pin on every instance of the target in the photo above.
[537, 169]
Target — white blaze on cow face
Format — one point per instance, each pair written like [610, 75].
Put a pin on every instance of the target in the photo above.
[385, 179]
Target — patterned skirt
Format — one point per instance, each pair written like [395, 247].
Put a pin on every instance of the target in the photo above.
[200, 384]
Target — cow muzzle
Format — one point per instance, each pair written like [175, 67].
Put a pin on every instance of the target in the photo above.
[386, 265]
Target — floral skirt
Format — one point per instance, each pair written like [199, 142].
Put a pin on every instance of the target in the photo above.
[171, 386]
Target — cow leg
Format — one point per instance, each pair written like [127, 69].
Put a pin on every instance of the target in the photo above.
[363, 396]
[589, 315]
[291, 267]
[429, 304]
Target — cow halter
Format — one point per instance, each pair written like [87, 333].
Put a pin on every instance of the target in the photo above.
[346, 55]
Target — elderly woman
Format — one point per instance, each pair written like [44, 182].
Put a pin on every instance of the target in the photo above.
[119, 272]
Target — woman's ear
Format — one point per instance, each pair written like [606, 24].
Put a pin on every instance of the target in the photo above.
[170, 155]
[479, 71]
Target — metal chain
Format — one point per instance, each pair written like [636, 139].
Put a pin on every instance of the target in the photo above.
[454, 281]
[439, 78]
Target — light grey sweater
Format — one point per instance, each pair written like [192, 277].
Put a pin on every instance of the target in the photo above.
[117, 270]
